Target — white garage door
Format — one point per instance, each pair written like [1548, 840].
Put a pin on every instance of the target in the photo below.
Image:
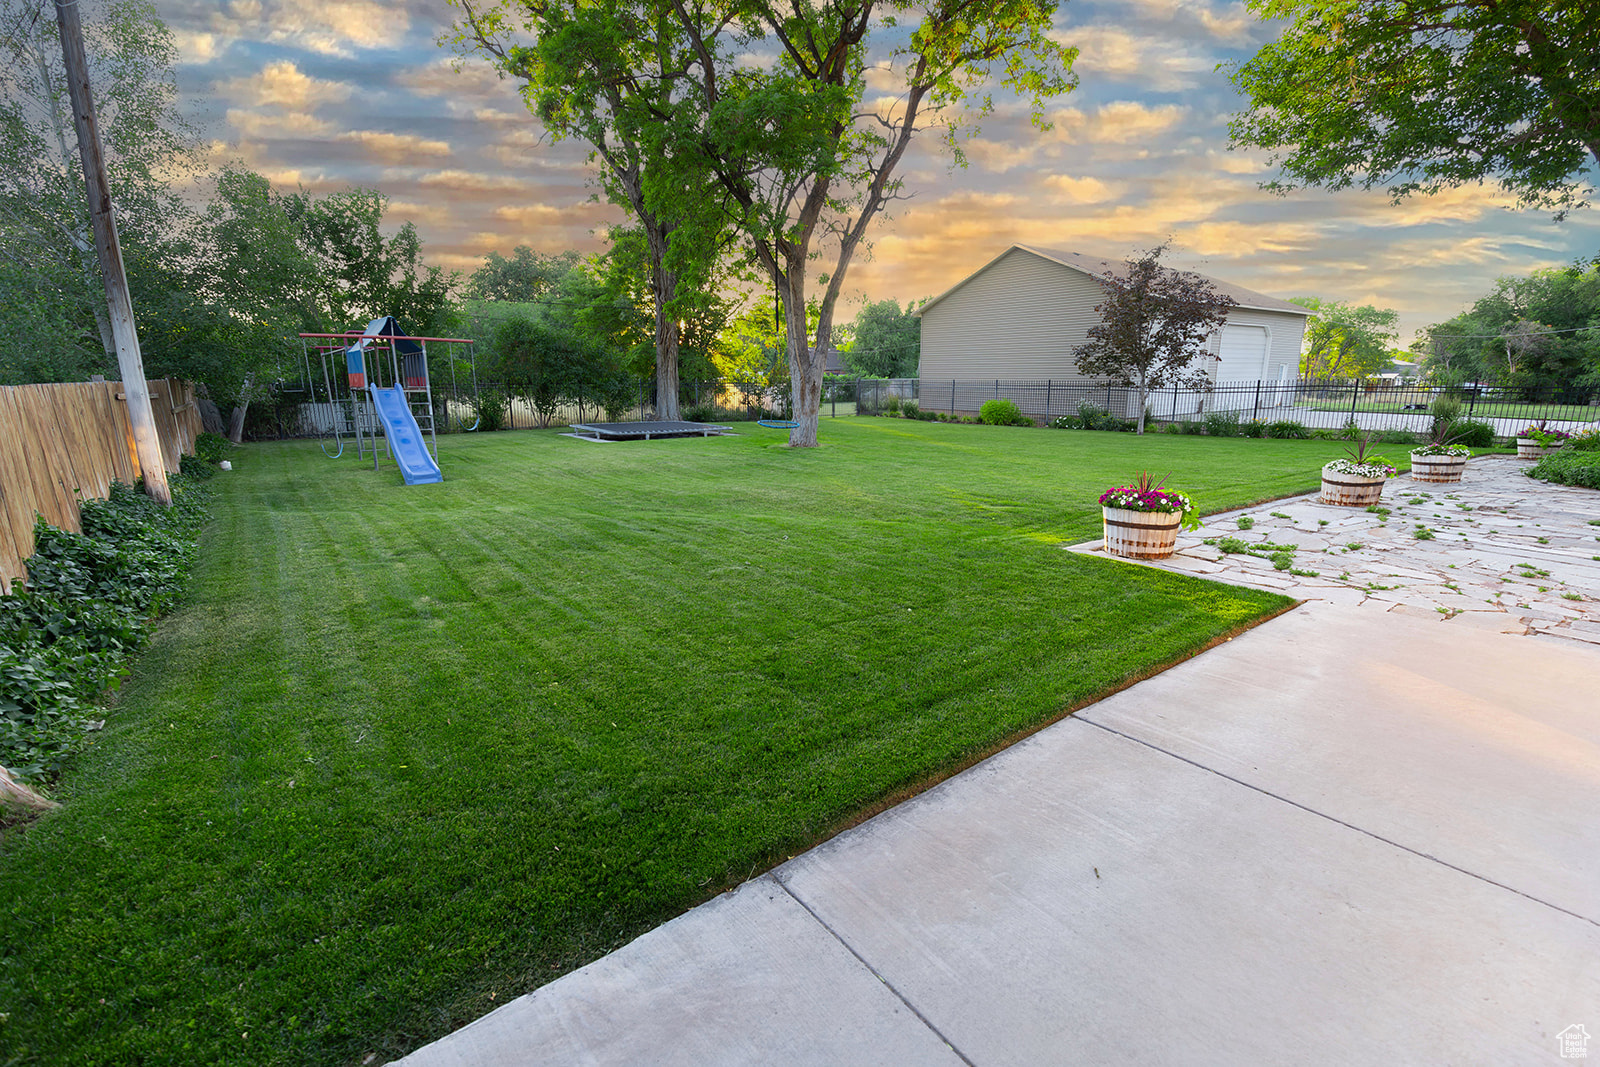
[1244, 354]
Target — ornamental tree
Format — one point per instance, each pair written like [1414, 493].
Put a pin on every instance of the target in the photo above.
[1418, 95]
[1154, 322]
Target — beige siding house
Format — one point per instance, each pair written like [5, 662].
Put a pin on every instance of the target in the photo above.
[1019, 318]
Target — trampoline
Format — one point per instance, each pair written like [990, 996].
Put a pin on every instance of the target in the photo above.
[631, 431]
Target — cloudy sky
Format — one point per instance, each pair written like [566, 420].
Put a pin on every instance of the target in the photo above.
[331, 93]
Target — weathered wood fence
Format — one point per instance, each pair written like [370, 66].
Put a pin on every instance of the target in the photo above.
[64, 442]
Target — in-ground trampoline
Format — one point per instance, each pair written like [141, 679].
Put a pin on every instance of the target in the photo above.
[632, 431]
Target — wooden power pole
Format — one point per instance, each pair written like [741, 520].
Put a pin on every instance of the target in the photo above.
[147, 442]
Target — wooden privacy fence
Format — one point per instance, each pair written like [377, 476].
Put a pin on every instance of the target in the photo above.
[63, 442]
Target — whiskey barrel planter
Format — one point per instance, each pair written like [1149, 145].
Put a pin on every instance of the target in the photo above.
[1350, 490]
[1437, 468]
[1140, 534]
[1528, 448]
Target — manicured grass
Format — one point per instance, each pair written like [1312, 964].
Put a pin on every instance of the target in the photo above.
[1482, 409]
[407, 753]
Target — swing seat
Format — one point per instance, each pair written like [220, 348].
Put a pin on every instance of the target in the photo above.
[779, 424]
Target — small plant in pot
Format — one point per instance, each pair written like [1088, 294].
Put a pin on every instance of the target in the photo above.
[1536, 441]
[1358, 480]
[1440, 460]
[1141, 521]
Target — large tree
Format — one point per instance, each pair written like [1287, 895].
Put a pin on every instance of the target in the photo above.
[1153, 323]
[605, 73]
[804, 160]
[297, 262]
[887, 341]
[45, 233]
[1346, 341]
[1417, 95]
[1538, 334]
[525, 277]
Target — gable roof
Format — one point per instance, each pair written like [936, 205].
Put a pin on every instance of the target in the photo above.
[1107, 269]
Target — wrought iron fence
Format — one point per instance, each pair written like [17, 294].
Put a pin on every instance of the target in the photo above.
[1371, 404]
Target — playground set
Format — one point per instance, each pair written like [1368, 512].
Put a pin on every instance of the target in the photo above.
[401, 412]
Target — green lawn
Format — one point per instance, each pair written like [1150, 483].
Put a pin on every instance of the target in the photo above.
[407, 753]
[1482, 409]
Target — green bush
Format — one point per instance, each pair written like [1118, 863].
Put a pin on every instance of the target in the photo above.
[1585, 441]
[492, 408]
[1287, 428]
[1003, 413]
[931, 416]
[1188, 426]
[85, 608]
[1222, 423]
[1395, 437]
[1472, 433]
[212, 447]
[891, 405]
[1253, 428]
[1565, 467]
[910, 409]
[701, 413]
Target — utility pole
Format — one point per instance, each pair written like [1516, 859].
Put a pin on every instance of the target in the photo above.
[147, 442]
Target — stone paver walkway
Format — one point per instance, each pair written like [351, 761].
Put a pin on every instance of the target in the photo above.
[1499, 550]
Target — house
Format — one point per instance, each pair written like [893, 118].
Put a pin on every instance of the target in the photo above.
[1020, 316]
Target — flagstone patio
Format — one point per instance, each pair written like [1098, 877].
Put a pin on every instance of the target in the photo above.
[1499, 550]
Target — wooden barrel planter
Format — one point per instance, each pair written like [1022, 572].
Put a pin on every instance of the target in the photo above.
[1140, 534]
[1437, 468]
[1350, 490]
[1528, 448]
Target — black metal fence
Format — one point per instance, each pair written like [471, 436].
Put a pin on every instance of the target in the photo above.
[1371, 404]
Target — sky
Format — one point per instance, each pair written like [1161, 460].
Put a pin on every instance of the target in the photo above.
[326, 94]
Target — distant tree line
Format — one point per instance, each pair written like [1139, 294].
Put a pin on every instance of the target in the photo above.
[1538, 334]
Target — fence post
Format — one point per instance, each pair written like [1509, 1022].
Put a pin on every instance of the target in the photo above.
[1047, 382]
[1472, 400]
[1255, 411]
[997, 388]
[952, 396]
[1355, 393]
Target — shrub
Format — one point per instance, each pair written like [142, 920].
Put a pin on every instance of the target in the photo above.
[1222, 423]
[1191, 427]
[85, 609]
[891, 405]
[492, 409]
[700, 413]
[931, 416]
[1003, 413]
[1569, 468]
[1287, 428]
[911, 409]
[1395, 437]
[1472, 433]
[212, 447]
[1253, 428]
[196, 468]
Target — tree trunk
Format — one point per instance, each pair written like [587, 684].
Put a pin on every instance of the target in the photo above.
[665, 286]
[15, 794]
[236, 420]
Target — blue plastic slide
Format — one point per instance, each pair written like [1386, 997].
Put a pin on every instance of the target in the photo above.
[405, 436]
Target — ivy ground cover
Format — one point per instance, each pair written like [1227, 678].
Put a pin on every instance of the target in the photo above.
[406, 753]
